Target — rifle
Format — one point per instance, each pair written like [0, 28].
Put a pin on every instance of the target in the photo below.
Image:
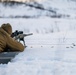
[19, 35]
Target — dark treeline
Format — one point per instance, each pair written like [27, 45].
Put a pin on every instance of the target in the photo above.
[17, 1]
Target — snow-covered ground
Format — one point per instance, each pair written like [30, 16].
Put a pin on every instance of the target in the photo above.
[46, 54]
[43, 25]
[52, 47]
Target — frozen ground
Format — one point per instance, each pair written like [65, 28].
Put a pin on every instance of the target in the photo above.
[52, 47]
[48, 53]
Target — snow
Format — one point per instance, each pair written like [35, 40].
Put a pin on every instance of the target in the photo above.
[64, 9]
[37, 60]
[41, 25]
[52, 47]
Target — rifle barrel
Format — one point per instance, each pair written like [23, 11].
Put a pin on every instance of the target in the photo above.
[28, 34]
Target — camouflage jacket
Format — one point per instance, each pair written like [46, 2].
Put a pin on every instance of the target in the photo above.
[6, 41]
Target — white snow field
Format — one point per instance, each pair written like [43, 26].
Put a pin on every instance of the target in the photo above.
[52, 47]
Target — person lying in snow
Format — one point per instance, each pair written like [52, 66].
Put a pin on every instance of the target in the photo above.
[7, 42]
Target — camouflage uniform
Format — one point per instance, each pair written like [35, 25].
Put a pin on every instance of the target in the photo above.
[6, 41]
